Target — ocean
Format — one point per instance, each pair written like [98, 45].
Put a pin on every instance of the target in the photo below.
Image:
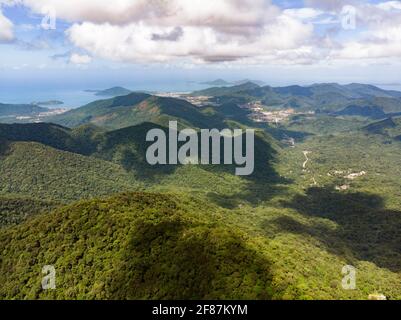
[77, 97]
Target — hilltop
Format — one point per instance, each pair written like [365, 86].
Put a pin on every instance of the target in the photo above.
[142, 246]
[137, 108]
[224, 83]
[113, 160]
[351, 100]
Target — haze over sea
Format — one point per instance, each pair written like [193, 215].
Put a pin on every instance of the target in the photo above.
[74, 97]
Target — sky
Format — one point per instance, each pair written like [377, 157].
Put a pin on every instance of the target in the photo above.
[101, 43]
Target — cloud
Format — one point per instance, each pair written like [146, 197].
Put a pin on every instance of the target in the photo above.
[79, 59]
[170, 30]
[378, 44]
[232, 31]
[137, 42]
[381, 36]
[223, 13]
[6, 29]
[389, 5]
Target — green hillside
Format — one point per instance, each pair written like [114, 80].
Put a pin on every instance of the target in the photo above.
[328, 199]
[99, 162]
[369, 90]
[142, 246]
[390, 127]
[49, 134]
[35, 170]
[354, 99]
[137, 108]
[14, 210]
[98, 111]
[166, 246]
[225, 91]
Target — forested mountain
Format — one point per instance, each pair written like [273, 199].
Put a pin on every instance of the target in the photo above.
[114, 160]
[352, 99]
[137, 108]
[36, 170]
[143, 246]
[81, 196]
[390, 127]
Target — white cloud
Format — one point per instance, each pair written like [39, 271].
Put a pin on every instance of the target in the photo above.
[80, 59]
[389, 5]
[165, 30]
[381, 36]
[233, 31]
[139, 42]
[6, 28]
[379, 44]
[224, 13]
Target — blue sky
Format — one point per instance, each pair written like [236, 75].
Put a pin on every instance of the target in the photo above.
[137, 42]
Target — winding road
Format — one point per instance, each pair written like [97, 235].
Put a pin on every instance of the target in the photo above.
[307, 159]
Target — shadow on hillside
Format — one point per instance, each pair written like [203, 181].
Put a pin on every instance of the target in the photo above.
[130, 153]
[174, 260]
[366, 229]
[4, 147]
[254, 194]
[263, 184]
[283, 134]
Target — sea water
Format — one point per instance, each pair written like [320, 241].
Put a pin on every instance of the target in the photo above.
[77, 97]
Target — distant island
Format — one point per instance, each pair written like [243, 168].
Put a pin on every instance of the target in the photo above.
[111, 92]
[224, 83]
[218, 82]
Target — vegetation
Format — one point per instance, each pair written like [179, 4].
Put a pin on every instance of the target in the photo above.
[136, 108]
[353, 99]
[14, 210]
[34, 170]
[142, 246]
[200, 232]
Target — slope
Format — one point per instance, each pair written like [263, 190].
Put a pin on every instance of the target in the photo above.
[322, 97]
[133, 246]
[34, 170]
[390, 127]
[116, 160]
[137, 108]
